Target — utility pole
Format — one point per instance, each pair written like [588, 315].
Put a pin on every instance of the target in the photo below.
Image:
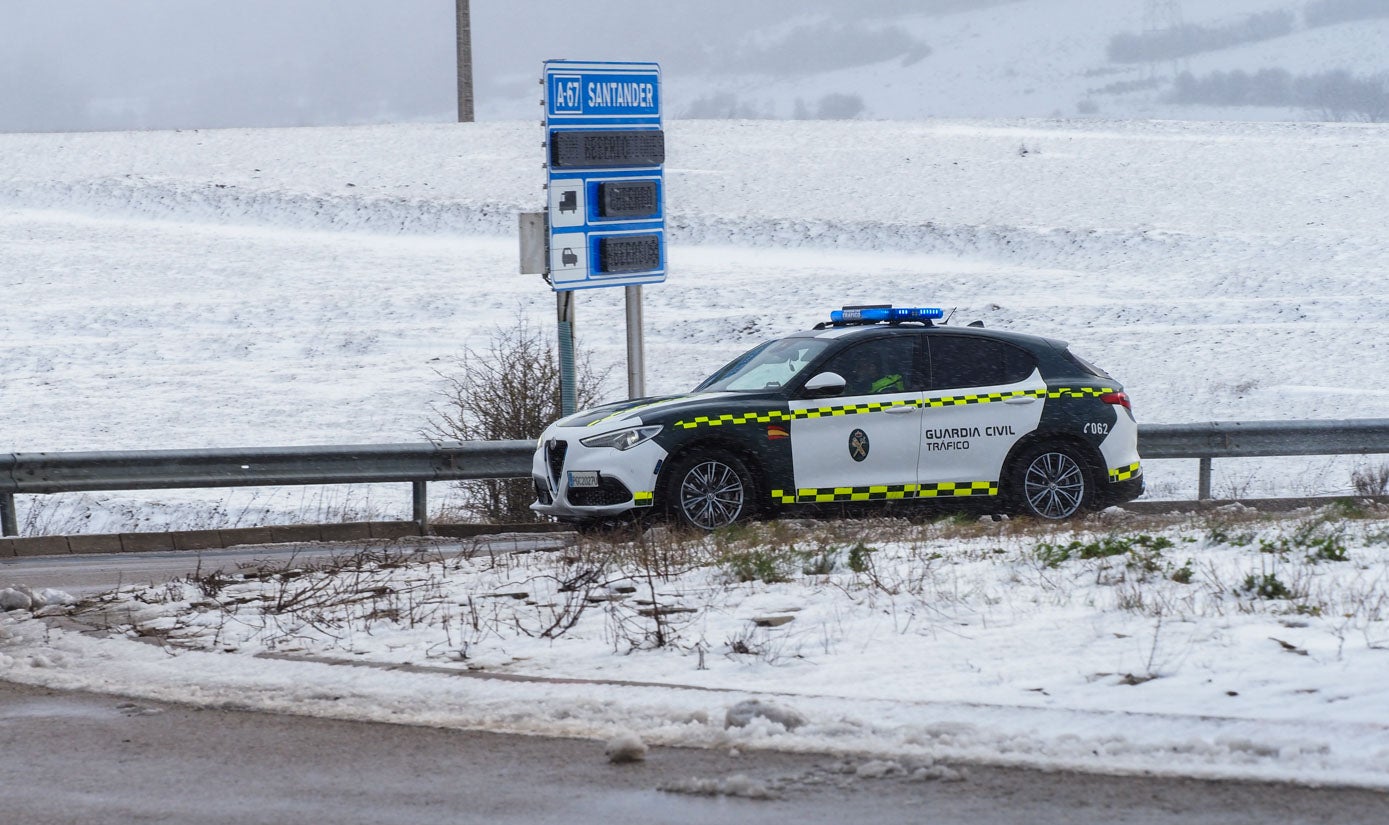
[465, 62]
[1161, 16]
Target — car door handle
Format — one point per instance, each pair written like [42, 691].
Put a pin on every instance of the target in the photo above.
[901, 409]
[1020, 399]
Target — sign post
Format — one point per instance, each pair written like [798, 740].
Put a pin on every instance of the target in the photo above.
[636, 358]
[605, 153]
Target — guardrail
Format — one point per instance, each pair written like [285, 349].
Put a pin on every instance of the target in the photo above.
[419, 464]
[1253, 439]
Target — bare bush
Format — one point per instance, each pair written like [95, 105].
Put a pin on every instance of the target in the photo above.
[1370, 481]
[510, 391]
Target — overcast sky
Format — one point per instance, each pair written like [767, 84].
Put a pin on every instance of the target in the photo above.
[162, 64]
[108, 64]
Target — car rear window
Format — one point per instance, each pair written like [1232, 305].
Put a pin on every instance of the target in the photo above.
[966, 361]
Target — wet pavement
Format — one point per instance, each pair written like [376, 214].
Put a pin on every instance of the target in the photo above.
[83, 758]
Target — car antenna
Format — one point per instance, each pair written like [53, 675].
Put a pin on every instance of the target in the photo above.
[948, 317]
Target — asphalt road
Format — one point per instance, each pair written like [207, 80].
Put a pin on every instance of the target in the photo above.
[83, 758]
[86, 758]
[82, 574]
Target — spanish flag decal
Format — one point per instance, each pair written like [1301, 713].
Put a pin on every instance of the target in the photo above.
[776, 431]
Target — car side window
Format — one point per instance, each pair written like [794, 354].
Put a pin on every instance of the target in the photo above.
[966, 361]
[875, 367]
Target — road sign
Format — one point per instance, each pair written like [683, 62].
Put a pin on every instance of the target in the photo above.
[605, 150]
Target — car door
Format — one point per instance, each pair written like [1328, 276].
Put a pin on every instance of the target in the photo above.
[983, 396]
[862, 444]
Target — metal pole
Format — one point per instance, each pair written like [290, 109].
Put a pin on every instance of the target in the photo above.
[420, 491]
[1204, 485]
[9, 525]
[636, 359]
[564, 308]
[464, 33]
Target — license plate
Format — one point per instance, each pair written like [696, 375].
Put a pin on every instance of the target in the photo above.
[583, 478]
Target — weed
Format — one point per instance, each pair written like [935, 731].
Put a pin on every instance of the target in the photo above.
[764, 564]
[820, 563]
[1328, 550]
[859, 558]
[742, 533]
[1220, 534]
[1143, 549]
[1183, 574]
[1318, 540]
[747, 643]
[1348, 508]
[1265, 586]
[1052, 555]
[1102, 549]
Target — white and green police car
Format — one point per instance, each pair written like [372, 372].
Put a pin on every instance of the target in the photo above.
[878, 404]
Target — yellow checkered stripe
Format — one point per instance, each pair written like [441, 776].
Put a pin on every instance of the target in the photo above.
[959, 488]
[986, 398]
[885, 492]
[994, 397]
[878, 406]
[851, 409]
[737, 418]
[1124, 473]
[1078, 392]
[643, 498]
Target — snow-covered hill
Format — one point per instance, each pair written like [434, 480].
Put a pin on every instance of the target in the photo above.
[952, 58]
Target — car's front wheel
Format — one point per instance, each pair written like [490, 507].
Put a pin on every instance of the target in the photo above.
[710, 490]
[1050, 481]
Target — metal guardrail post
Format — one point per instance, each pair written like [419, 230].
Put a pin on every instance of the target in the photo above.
[9, 524]
[1203, 491]
[420, 490]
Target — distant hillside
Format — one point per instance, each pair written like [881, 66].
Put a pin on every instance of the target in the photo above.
[905, 59]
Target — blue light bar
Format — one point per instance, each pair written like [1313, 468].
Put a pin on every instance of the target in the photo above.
[850, 315]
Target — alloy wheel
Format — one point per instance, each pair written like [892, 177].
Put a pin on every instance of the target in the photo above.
[712, 495]
[1054, 485]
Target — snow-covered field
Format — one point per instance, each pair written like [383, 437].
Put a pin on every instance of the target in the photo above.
[307, 286]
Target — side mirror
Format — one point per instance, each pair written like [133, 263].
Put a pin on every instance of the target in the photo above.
[824, 385]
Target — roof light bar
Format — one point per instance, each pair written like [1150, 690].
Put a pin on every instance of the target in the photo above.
[851, 315]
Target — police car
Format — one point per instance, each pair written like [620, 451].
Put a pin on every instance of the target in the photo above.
[877, 404]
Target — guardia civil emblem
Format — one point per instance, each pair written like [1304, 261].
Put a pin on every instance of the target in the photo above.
[858, 445]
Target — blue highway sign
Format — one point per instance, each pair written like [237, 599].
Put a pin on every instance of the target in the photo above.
[605, 153]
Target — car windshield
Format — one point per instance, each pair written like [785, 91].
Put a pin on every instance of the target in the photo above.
[766, 366]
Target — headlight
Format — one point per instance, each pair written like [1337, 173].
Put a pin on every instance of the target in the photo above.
[622, 439]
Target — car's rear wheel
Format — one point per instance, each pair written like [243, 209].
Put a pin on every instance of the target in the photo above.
[1050, 481]
[709, 490]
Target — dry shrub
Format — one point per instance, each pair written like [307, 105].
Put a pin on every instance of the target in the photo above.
[509, 391]
[1370, 481]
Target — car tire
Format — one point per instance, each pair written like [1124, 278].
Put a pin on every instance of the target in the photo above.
[710, 489]
[1051, 482]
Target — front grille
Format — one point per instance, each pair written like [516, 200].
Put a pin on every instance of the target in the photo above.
[609, 491]
[554, 458]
